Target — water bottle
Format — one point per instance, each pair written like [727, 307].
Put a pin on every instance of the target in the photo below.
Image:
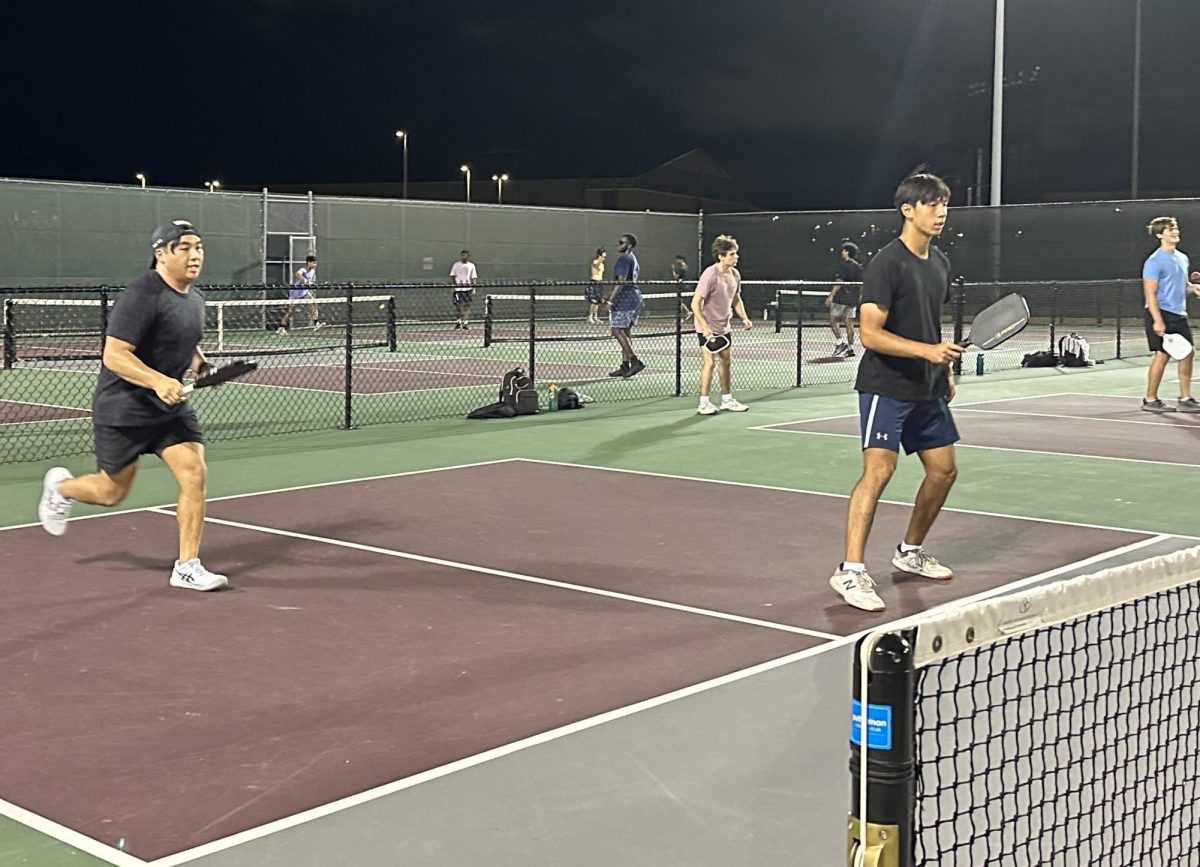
[979, 364]
[552, 396]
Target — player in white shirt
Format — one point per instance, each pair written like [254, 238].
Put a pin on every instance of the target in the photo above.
[302, 290]
[464, 275]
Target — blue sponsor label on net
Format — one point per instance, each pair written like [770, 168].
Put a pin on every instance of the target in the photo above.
[879, 725]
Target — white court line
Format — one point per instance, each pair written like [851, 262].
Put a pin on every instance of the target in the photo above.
[332, 807]
[515, 576]
[66, 835]
[48, 405]
[1090, 418]
[74, 418]
[854, 414]
[962, 445]
[846, 497]
[279, 490]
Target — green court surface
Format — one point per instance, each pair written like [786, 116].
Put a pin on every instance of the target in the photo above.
[665, 436]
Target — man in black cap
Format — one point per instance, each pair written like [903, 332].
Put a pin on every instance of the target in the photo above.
[139, 406]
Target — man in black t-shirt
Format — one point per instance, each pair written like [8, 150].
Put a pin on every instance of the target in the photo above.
[139, 406]
[843, 300]
[904, 385]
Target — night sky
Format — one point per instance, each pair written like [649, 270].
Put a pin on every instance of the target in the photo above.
[809, 103]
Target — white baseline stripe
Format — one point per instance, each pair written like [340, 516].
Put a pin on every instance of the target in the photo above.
[955, 406]
[609, 716]
[516, 576]
[1090, 418]
[68, 836]
[962, 445]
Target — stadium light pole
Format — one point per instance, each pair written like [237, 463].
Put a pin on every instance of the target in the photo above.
[142, 178]
[466, 170]
[500, 179]
[997, 104]
[212, 185]
[1137, 99]
[403, 136]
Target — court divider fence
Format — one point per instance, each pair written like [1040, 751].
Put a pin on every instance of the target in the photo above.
[365, 354]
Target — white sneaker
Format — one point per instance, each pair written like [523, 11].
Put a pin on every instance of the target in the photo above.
[192, 575]
[53, 510]
[733, 406]
[919, 563]
[857, 588]
[707, 409]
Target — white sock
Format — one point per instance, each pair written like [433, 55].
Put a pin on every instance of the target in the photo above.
[704, 400]
[848, 566]
[904, 547]
[725, 398]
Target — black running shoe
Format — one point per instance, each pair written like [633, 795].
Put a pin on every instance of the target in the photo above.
[1188, 404]
[623, 370]
[636, 366]
[1156, 405]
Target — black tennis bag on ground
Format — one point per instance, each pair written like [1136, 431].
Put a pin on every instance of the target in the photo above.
[517, 397]
[1045, 358]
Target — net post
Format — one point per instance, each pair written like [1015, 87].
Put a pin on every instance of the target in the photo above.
[103, 318]
[1053, 313]
[679, 337]
[960, 307]
[487, 321]
[885, 836]
[348, 402]
[799, 335]
[1119, 312]
[10, 343]
[391, 321]
[532, 331]
[779, 312]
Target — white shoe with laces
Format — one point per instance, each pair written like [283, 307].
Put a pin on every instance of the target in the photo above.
[919, 563]
[54, 509]
[707, 409]
[857, 588]
[191, 575]
[733, 406]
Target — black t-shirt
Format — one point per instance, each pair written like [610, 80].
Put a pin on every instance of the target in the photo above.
[165, 328]
[680, 270]
[912, 291]
[849, 271]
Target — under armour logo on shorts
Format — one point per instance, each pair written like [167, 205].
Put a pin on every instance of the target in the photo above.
[881, 436]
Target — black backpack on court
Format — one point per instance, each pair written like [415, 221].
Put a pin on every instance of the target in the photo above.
[517, 397]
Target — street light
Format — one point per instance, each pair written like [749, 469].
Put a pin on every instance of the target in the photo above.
[997, 104]
[403, 136]
[212, 185]
[466, 170]
[500, 179]
[141, 177]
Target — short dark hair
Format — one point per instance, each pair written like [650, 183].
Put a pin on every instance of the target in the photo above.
[468, 252]
[600, 251]
[921, 187]
[850, 247]
[308, 259]
[680, 258]
[630, 238]
[723, 244]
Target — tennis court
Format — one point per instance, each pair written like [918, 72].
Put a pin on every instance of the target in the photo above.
[596, 637]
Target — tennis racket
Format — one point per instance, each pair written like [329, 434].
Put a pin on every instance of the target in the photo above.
[998, 322]
[226, 372]
[1177, 346]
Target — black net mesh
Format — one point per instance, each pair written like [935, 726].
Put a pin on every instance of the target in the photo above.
[1071, 744]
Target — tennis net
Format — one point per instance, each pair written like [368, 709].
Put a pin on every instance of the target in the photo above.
[1058, 725]
[64, 329]
[518, 318]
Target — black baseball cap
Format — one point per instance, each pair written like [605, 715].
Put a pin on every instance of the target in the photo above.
[172, 231]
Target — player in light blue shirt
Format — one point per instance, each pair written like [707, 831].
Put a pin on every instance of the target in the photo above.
[1165, 286]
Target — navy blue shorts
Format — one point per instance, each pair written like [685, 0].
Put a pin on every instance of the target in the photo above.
[461, 296]
[592, 292]
[918, 425]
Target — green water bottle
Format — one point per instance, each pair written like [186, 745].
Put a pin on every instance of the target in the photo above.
[552, 394]
[979, 364]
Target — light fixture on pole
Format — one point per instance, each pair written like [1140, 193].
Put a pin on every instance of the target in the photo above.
[403, 136]
[212, 185]
[466, 170]
[142, 178]
[500, 179]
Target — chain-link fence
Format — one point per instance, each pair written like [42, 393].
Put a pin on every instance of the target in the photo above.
[371, 354]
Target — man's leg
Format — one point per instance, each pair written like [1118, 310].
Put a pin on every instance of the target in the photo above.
[1154, 375]
[99, 488]
[186, 463]
[835, 326]
[878, 467]
[706, 373]
[940, 473]
[849, 331]
[1185, 376]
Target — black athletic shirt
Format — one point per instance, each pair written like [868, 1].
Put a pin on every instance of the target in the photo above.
[849, 271]
[912, 291]
[165, 328]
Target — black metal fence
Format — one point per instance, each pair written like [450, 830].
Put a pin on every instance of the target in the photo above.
[371, 354]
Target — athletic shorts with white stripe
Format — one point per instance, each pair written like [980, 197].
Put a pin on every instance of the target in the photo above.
[918, 425]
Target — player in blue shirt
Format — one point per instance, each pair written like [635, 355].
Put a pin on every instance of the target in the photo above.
[1165, 286]
[625, 305]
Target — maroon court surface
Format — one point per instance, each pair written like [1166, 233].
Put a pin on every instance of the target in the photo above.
[19, 412]
[1082, 424]
[171, 718]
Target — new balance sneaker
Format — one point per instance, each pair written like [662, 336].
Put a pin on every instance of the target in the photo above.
[857, 588]
[919, 563]
[732, 405]
[839, 349]
[191, 575]
[53, 509]
[849, 352]
[623, 370]
[1156, 405]
[1188, 404]
[636, 366]
[707, 409]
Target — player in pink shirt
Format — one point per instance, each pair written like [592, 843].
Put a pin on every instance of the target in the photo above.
[718, 296]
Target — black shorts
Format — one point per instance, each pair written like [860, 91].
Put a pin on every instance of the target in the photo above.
[462, 296]
[118, 447]
[703, 340]
[1175, 323]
